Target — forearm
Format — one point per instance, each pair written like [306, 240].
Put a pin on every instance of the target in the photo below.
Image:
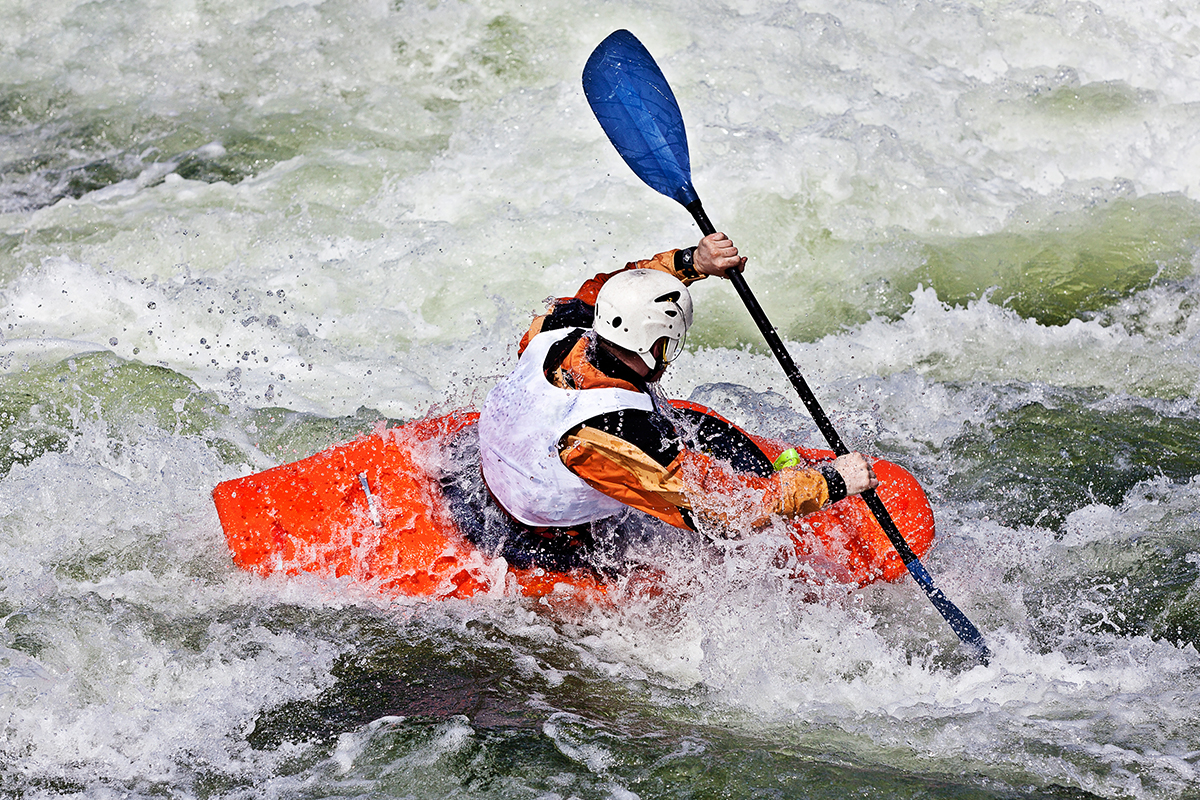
[743, 501]
[692, 486]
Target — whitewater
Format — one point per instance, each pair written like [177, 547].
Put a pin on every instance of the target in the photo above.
[232, 234]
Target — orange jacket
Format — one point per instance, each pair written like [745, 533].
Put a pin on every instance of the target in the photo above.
[693, 484]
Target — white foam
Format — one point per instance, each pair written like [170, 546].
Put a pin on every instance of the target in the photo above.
[430, 173]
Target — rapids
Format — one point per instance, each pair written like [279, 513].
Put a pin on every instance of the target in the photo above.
[233, 233]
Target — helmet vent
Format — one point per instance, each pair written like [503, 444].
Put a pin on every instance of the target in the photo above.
[616, 323]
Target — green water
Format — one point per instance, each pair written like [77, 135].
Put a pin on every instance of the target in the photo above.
[1036, 464]
[1055, 266]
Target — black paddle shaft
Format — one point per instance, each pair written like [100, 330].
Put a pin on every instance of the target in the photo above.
[963, 627]
[806, 395]
[636, 108]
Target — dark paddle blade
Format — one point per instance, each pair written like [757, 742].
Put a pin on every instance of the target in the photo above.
[637, 109]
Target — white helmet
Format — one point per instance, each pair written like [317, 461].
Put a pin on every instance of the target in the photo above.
[636, 308]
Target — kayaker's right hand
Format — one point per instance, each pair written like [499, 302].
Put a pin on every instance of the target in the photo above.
[856, 472]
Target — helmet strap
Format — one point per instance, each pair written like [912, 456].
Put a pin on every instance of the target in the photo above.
[612, 359]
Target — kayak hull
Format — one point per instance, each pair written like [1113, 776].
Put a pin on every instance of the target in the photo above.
[372, 511]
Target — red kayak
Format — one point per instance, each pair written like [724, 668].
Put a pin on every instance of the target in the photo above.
[373, 510]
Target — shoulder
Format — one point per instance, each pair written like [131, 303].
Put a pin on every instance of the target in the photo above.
[575, 368]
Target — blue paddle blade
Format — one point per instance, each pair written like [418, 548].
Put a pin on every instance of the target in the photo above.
[637, 110]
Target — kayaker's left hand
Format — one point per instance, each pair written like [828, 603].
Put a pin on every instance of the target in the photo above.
[716, 254]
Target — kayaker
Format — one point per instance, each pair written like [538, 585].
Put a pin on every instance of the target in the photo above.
[578, 432]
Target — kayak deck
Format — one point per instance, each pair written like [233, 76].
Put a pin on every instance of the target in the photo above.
[372, 511]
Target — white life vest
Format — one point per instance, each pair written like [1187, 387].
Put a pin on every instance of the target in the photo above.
[523, 418]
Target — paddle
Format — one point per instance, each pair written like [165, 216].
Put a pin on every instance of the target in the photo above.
[637, 109]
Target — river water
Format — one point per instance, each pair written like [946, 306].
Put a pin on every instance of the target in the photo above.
[234, 233]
